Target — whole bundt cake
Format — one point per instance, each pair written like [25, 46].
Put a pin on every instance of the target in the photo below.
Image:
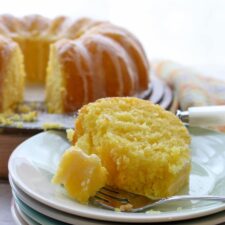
[144, 149]
[80, 60]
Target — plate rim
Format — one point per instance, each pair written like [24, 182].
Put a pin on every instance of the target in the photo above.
[32, 203]
[214, 218]
[15, 214]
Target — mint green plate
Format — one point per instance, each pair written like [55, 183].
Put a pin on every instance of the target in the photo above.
[33, 163]
[20, 217]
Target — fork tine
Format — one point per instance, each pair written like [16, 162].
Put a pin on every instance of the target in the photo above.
[112, 198]
[122, 200]
[109, 198]
[107, 201]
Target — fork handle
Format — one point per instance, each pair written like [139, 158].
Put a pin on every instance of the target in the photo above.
[181, 198]
[203, 115]
[192, 197]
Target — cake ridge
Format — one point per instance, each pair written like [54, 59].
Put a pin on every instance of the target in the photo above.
[103, 59]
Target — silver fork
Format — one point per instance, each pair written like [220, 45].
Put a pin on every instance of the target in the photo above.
[115, 199]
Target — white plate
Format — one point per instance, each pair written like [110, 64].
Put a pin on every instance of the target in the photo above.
[217, 218]
[51, 212]
[33, 217]
[33, 163]
[16, 214]
[16, 217]
[22, 216]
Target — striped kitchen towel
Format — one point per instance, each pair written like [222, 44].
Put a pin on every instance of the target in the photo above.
[191, 88]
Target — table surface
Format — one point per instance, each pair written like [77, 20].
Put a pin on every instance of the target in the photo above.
[5, 203]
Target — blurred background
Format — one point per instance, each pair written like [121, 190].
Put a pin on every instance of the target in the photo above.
[190, 32]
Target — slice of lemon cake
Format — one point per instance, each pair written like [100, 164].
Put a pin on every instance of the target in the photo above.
[144, 148]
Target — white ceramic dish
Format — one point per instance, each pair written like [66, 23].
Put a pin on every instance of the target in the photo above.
[217, 218]
[51, 212]
[26, 219]
[16, 217]
[33, 163]
[33, 217]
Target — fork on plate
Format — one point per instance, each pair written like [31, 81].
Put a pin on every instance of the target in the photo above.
[115, 199]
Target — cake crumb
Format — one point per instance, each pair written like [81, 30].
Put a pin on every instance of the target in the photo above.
[19, 124]
[4, 120]
[15, 117]
[51, 125]
[24, 108]
[30, 116]
[126, 208]
[152, 211]
[70, 134]
[117, 210]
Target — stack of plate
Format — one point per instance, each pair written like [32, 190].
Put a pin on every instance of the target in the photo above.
[159, 93]
[37, 201]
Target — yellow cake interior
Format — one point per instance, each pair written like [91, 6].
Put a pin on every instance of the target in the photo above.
[81, 174]
[144, 148]
[36, 54]
[55, 85]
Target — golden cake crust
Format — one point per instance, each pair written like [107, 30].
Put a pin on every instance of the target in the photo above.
[97, 59]
[8, 50]
[106, 61]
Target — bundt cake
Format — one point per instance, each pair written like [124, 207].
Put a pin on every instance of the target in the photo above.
[144, 148]
[80, 61]
[12, 75]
